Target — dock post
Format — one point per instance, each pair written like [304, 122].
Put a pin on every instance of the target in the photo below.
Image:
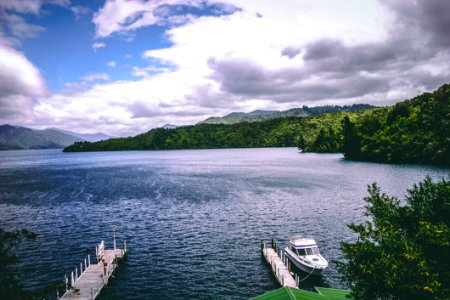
[85, 264]
[89, 260]
[72, 281]
[57, 293]
[81, 268]
[114, 235]
[273, 245]
[66, 281]
[124, 246]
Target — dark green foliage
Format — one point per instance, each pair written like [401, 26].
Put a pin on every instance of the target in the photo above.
[351, 142]
[413, 131]
[403, 250]
[10, 287]
[327, 141]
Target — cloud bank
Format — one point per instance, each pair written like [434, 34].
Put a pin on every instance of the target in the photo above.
[246, 55]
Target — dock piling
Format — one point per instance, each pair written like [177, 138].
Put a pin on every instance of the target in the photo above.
[277, 261]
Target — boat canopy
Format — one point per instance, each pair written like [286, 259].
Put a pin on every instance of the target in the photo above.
[302, 243]
[303, 246]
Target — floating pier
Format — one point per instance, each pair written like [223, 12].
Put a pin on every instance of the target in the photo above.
[280, 265]
[87, 282]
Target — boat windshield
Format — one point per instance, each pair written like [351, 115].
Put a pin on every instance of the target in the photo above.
[313, 250]
[301, 252]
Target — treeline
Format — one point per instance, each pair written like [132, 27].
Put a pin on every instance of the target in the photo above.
[304, 111]
[412, 131]
[282, 132]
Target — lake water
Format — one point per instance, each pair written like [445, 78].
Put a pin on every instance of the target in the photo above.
[193, 220]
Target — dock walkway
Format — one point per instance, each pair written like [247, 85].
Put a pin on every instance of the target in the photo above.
[95, 277]
[279, 265]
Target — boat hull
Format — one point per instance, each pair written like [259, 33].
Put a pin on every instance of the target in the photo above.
[307, 269]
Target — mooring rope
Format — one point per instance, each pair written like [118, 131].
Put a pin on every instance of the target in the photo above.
[307, 275]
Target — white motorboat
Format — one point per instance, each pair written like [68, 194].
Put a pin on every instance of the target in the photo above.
[304, 253]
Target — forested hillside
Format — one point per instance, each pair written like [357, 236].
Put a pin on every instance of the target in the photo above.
[282, 132]
[412, 131]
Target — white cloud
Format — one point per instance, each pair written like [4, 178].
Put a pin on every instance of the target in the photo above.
[98, 45]
[185, 91]
[20, 82]
[79, 11]
[18, 27]
[148, 71]
[30, 6]
[24, 6]
[112, 64]
[264, 56]
[95, 76]
[127, 15]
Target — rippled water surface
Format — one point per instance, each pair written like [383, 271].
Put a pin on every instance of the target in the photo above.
[193, 220]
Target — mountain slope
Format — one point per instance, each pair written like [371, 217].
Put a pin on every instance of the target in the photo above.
[263, 115]
[14, 137]
[90, 137]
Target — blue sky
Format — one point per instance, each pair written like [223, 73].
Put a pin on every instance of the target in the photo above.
[125, 66]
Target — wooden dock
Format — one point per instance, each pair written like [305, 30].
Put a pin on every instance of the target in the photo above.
[93, 277]
[280, 265]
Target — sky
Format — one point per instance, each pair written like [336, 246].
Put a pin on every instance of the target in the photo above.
[124, 67]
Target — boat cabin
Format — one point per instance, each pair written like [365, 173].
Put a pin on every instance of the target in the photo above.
[304, 246]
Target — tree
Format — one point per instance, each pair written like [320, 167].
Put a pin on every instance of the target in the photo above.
[301, 143]
[10, 288]
[351, 144]
[402, 251]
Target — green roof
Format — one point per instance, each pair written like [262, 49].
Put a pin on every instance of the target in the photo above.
[288, 293]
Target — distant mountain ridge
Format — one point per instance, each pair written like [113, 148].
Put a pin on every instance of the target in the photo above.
[264, 115]
[89, 137]
[18, 138]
